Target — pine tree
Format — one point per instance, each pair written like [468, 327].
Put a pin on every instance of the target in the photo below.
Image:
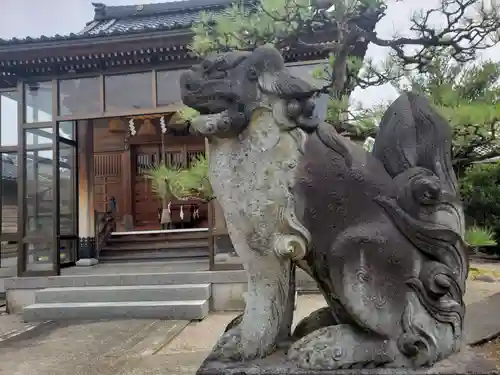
[465, 27]
[467, 95]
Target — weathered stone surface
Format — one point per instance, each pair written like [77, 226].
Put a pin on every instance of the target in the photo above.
[253, 165]
[468, 361]
[381, 233]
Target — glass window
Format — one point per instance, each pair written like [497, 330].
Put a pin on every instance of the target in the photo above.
[38, 138]
[67, 129]
[128, 91]
[39, 218]
[8, 118]
[67, 192]
[306, 73]
[9, 184]
[8, 258]
[79, 96]
[168, 90]
[68, 250]
[38, 255]
[38, 102]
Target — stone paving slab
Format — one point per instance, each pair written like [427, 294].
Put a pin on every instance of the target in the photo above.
[86, 348]
[145, 347]
[482, 321]
[188, 350]
[479, 290]
[171, 364]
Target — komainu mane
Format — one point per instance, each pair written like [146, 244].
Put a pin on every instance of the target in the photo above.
[380, 233]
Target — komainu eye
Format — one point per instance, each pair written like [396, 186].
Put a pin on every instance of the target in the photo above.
[252, 74]
[293, 108]
[308, 108]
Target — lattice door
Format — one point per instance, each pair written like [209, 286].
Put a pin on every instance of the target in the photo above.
[147, 203]
[108, 181]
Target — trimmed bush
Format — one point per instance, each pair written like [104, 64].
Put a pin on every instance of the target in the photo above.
[480, 189]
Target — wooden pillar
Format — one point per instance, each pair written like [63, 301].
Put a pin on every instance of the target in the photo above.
[127, 188]
[86, 216]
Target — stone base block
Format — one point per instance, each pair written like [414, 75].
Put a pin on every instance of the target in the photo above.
[468, 361]
[86, 262]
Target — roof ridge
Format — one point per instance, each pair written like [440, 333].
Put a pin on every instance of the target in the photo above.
[104, 12]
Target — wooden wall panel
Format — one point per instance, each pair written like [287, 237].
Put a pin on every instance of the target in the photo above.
[108, 181]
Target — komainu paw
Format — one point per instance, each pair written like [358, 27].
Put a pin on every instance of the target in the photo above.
[320, 318]
[233, 347]
[340, 347]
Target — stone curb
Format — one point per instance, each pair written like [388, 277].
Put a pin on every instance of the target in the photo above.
[481, 321]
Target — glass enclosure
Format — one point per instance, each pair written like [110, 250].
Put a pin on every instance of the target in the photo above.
[128, 91]
[9, 214]
[68, 194]
[167, 86]
[9, 183]
[305, 71]
[79, 96]
[44, 165]
[39, 169]
[40, 213]
[38, 102]
[8, 118]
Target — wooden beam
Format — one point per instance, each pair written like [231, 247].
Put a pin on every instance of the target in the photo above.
[127, 189]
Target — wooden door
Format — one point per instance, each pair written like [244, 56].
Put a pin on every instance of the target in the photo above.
[108, 181]
[146, 202]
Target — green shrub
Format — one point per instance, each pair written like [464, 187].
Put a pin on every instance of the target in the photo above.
[476, 236]
[480, 189]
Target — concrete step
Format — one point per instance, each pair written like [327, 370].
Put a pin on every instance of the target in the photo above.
[124, 293]
[122, 255]
[173, 310]
[156, 245]
[127, 279]
[152, 237]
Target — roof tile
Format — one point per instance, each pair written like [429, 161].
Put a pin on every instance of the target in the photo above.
[118, 20]
[136, 24]
[104, 12]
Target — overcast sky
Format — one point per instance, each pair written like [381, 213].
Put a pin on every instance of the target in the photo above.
[21, 18]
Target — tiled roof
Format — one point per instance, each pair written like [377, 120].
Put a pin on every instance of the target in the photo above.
[119, 20]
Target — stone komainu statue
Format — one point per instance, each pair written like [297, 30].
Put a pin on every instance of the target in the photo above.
[380, 233]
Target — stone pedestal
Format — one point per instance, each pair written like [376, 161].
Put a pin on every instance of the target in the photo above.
[86, 252]
[468, 361]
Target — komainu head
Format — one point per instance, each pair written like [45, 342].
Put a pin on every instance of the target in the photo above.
[232, 85]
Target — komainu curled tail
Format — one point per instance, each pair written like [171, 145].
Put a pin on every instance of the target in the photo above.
[387, 248]
[415, 146]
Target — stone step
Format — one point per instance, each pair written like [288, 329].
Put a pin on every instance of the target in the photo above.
[127, 279]
[124, 293]
[156, 245]
[125, 255]
[173, 310]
